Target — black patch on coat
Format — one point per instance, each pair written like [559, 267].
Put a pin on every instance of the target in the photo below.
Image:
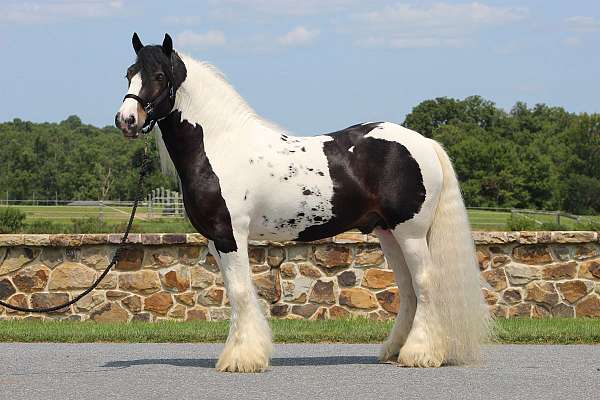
[202, 198]
[378, 184]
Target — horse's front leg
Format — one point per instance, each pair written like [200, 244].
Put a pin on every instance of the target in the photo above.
[248, 347]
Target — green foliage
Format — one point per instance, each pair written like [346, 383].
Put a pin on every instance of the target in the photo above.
[11, 219]
[553, 226]
[94, 225]
[45, 226]
[521, 223]
[540, 157]
[72, 161]
[588, 226]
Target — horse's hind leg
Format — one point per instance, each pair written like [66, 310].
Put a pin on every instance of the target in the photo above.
[424, 346]
[248, 347]
[408, 302]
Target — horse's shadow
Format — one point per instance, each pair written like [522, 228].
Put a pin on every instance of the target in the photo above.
[276, 362]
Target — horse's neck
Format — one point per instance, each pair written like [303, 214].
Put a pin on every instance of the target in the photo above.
[206, 99]
[211, 121]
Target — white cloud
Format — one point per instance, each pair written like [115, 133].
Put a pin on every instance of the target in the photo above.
[194, 40]
[583, 24]
[408, 42]
[44, 11]
[299, 36]
[181, 20]
[226, 8]
[436, 25]
[444, 15]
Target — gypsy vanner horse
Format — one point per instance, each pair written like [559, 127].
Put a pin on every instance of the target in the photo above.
[245, 178]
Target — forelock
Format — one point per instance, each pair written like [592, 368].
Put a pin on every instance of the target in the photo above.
[151, 58]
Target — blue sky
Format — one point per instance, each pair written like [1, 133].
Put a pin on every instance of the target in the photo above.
[312, 65]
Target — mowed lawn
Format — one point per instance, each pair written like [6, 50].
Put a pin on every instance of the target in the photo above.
[521, 331]
[486, 220]
[111, 214]
[480, 219]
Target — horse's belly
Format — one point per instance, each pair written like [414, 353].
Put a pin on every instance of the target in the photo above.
[287, 206]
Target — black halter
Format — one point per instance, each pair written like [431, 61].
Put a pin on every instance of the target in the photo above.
[151, 106]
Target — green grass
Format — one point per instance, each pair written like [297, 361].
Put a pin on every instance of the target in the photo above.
[61, 219]
[64, 214]
[548, 331]
[545, 331]
[498, 221]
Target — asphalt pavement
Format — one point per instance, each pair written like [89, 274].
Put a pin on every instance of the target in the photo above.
[301, 371]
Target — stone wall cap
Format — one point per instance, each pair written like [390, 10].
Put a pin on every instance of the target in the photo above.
[196, 239]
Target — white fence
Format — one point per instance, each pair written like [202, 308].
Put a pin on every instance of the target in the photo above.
[160, 203]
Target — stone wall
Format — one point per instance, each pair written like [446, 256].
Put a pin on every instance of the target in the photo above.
[171, 276]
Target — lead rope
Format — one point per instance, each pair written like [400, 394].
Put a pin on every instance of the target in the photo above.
[115, 258]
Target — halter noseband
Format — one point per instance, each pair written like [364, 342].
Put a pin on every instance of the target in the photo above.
[151, 106]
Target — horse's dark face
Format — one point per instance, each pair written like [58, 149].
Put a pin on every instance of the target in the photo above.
[147, 79]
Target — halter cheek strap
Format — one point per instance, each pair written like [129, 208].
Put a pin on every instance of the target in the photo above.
[150, 107]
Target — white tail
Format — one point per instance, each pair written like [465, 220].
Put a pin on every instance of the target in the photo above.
[463, 315]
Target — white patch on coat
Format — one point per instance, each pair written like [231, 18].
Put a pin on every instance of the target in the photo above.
[277, 171]
[130, 106]
[351, 149]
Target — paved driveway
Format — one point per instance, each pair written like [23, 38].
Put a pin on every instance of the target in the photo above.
[324, 371]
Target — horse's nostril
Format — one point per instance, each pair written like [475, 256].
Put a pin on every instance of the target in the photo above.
[117, 120]
[130, 121]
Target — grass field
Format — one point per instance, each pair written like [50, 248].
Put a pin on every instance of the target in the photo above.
[62, 214]
[521, 331]
[114, 217]
[497, 220]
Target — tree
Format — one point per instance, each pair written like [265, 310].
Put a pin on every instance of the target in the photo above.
[72, 160]
[531, 157]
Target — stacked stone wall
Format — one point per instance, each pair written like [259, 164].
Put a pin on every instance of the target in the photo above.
[172, 276]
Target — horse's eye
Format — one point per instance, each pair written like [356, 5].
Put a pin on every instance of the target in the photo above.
[160, 77]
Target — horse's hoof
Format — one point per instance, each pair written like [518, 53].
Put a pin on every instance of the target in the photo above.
[389, 353]
[243, 359]
[240, 365]
[420, 357]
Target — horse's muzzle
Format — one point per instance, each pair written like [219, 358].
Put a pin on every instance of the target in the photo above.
[128, 126]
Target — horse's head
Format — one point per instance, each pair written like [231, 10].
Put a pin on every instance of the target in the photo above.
[153, 81]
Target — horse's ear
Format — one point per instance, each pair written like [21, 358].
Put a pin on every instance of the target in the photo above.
[167, 45]
[137, 43]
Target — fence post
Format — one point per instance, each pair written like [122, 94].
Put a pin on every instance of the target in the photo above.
[558, 218]
[169, 202]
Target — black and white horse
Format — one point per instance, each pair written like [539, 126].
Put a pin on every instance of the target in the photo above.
[244, 178]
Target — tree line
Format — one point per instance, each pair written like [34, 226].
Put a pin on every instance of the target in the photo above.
[538, 157]
[529, 157]
[72, 161]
